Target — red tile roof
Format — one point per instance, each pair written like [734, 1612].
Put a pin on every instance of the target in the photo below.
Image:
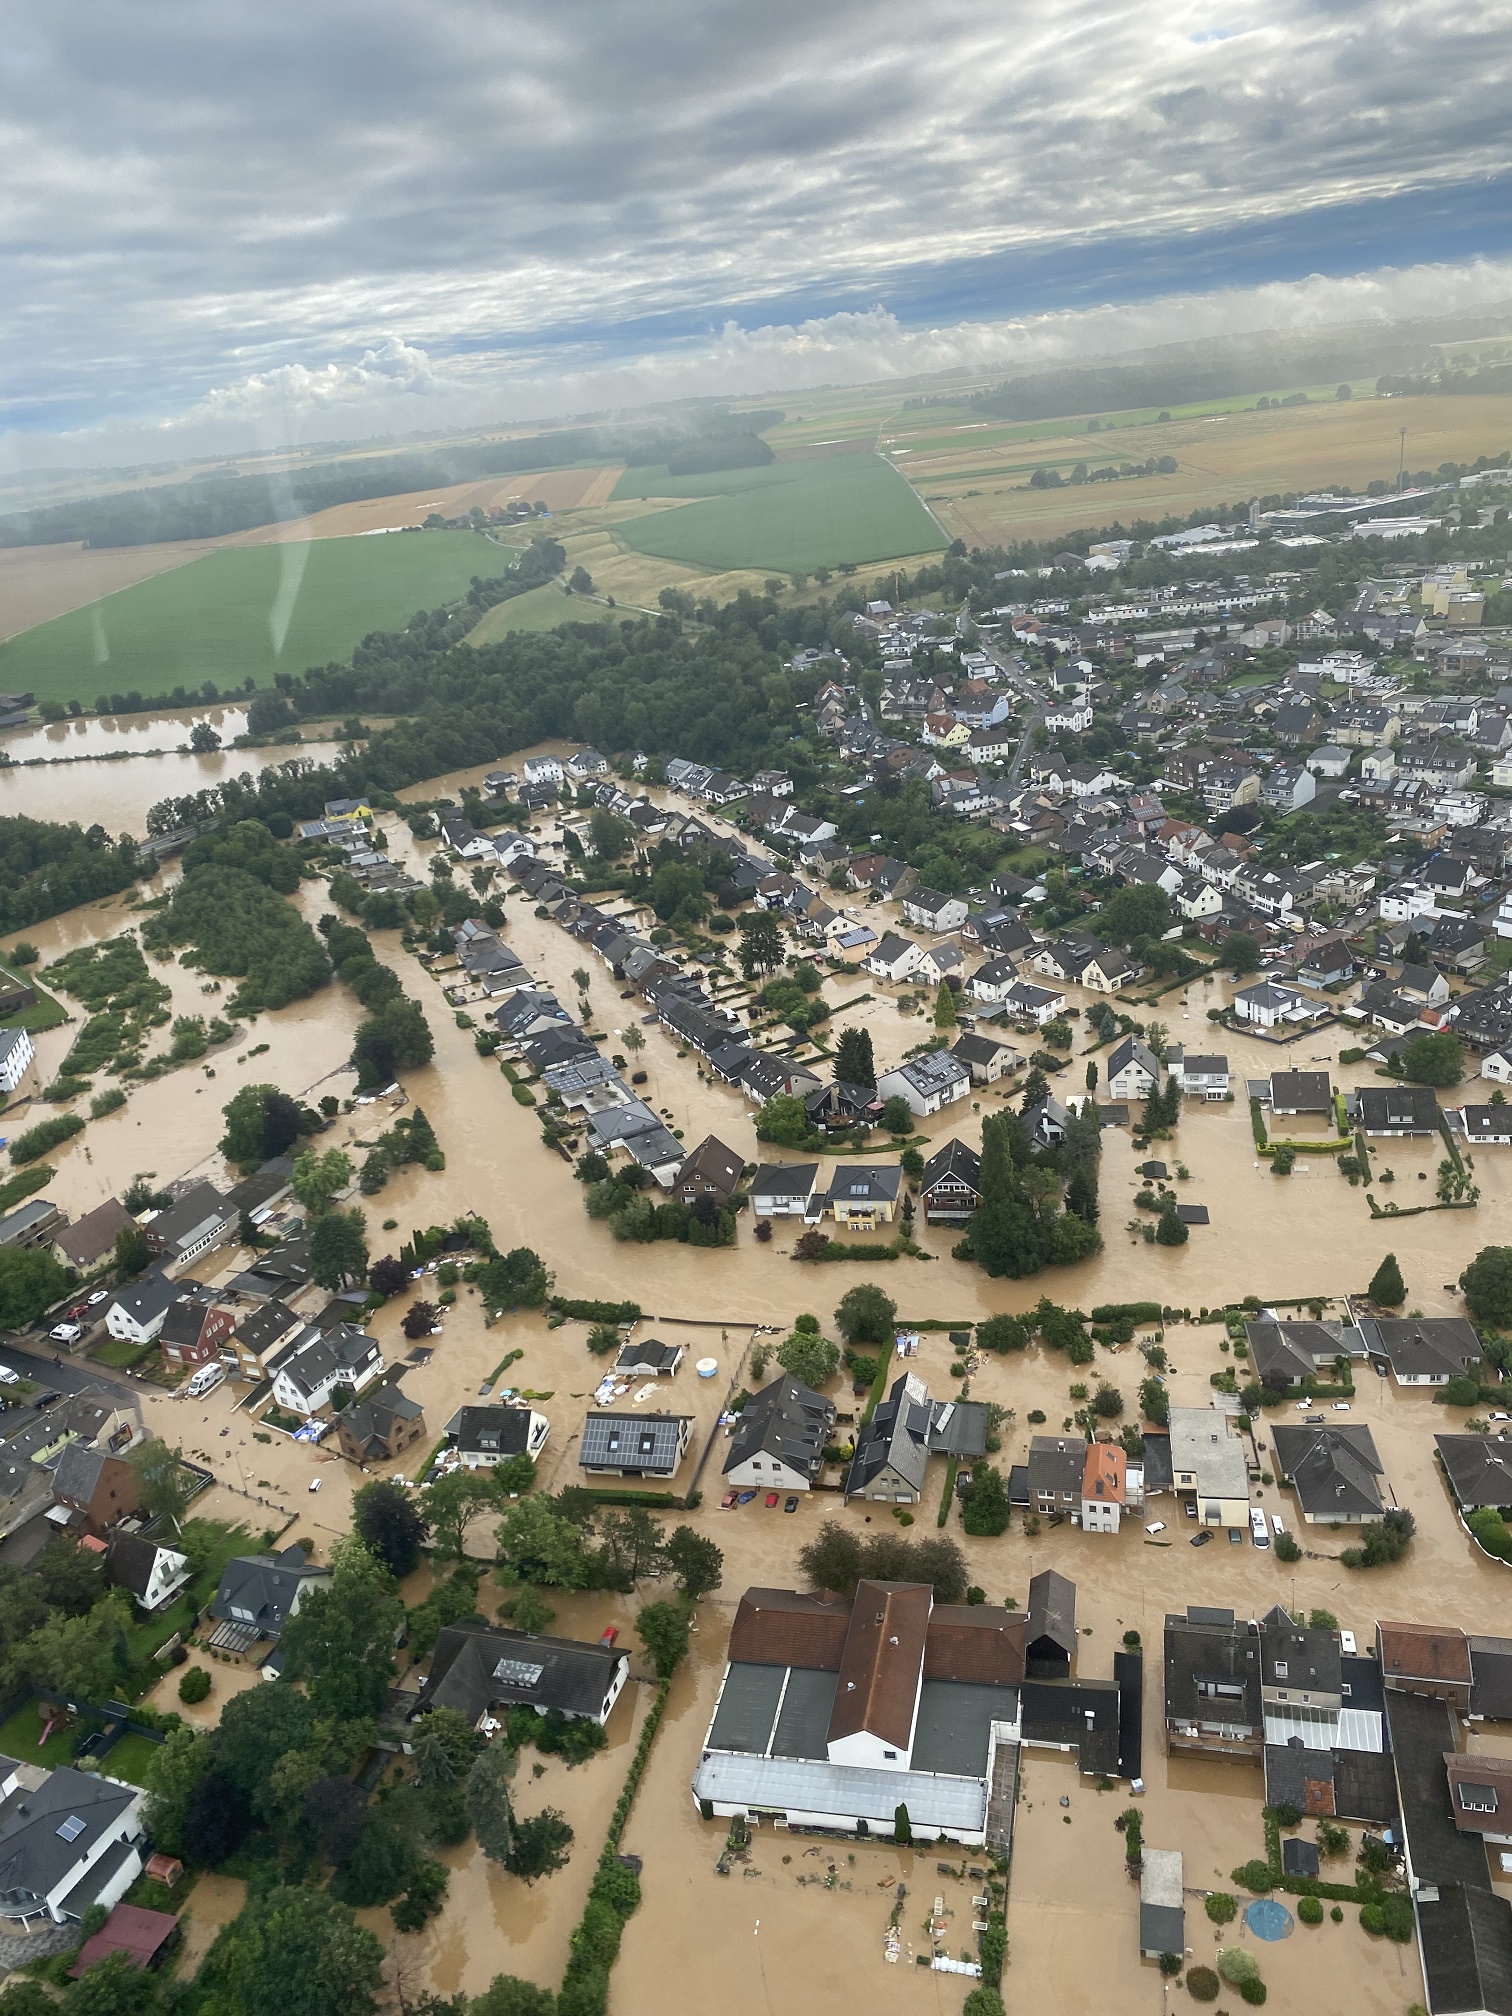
[883, 1662]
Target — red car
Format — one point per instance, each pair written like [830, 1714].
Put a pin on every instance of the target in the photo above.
[727, 1501]
[608, 1638]
[771, 1500]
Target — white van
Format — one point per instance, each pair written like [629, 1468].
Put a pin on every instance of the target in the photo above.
[1259, 1529]
[204, 1381]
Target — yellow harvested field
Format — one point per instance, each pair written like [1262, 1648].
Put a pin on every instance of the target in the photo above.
[980, 493]
[40, 582]
[558, 489]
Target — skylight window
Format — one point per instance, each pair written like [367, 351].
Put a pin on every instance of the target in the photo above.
[518, 1672]
[71, 1829]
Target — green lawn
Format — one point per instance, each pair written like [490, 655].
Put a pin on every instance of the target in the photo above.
[246, 612]
[210, 1543]
[788, 516]
[544, 608]
[21, 1738]
[121, 1353]
[129, 1759]
[44, 1013]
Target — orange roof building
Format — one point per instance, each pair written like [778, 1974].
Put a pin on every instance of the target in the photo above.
[1105, 1487]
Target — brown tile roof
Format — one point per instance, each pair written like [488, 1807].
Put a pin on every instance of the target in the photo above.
[786, 1627]
[91, 1237]
[975, 1643]
[1423, 1651]
[883, 1662]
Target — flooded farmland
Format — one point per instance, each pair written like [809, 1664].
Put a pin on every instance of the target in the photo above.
[787, 1929]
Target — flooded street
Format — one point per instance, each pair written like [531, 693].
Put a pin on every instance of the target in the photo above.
[821, 1929]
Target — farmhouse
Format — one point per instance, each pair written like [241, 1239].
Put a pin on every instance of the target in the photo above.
[835, 1712]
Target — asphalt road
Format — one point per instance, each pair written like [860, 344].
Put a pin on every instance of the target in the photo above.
[69, 1375]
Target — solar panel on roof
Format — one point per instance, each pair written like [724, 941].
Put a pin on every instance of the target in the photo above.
[72, 1828]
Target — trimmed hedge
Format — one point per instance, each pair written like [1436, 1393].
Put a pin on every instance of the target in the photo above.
[594, 1312]
[612, 1896]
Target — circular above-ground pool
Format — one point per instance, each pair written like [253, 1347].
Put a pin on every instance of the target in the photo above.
[1269, 1920]
[706, 1367]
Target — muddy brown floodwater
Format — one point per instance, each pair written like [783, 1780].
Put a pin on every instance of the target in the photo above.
[1072, 1911]
[74, 770]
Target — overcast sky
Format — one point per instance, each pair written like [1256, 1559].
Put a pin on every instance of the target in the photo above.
[222, 223]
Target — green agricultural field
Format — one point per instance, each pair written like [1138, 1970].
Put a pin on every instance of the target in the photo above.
[544, 608]
[790, 516]
[246, 612]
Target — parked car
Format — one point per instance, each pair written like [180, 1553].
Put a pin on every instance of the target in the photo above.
[790, 1505]
[1341, 1406]
[9, 1378]
[66, 1333]
[771, 1500]
[609, 1637]
[1156, 1526]
[727, 1501]
[1199, 1539]
[314, 1483]
[100, 1295]
[1276, 1522]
